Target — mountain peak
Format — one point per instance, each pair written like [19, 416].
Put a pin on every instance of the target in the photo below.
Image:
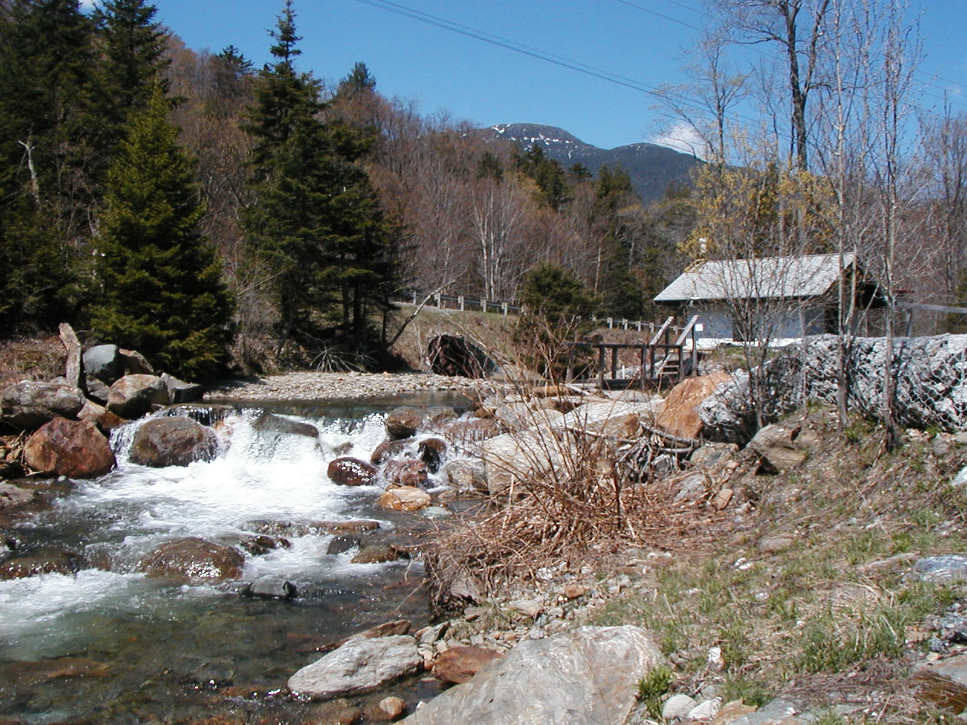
[652, 168]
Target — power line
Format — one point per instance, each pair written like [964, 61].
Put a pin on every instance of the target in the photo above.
[564, 62]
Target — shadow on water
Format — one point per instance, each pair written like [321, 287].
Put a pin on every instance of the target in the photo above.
[110, 645]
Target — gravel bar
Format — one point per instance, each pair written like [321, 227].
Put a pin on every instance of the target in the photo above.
[334, 386]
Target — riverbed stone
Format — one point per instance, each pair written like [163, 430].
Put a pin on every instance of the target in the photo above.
[173, 441]
[380, 554]
[270, 587]
[404, 498]
[407, 472]
[403, 422]
[29, 404]
[134, 395]
[467, 476]
[44, 560]
[776, 444]
[276, 425]
[589, 675]
[97, 390]
[360, 665]
[348, 471]
[12, 496]
[335, 712]
[341, 544]
[193, 560]
[72, 448]
[459, 664]
[389, 449]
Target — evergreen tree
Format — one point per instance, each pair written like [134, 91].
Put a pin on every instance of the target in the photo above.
[133, 46]
[316, 224]
[161, 291]
[46, 180]
[557, 314]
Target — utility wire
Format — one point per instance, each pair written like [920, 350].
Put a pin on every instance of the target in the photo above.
[427, 18]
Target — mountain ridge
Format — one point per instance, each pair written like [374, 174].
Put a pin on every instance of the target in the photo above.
[652, 168]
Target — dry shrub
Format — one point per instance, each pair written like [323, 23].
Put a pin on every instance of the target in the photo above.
[577, 495]
[39, 358]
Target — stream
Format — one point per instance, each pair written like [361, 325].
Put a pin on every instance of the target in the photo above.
[111, 645]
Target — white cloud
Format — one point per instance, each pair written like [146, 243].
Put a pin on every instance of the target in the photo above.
[682, 137]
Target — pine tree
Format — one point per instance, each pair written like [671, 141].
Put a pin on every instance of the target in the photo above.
[316, 224]
[47, 186]
[161, 291]
[133, 45]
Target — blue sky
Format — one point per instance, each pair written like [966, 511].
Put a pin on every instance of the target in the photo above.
[442, 71]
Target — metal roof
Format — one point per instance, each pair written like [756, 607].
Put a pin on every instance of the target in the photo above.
[763, 278]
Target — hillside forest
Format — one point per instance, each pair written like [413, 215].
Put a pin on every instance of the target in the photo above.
[216, 216]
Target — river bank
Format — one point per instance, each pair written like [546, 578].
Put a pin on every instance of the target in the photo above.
[308, 387]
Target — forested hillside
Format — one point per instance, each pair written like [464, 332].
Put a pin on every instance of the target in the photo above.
[282, 215]
[213, 214]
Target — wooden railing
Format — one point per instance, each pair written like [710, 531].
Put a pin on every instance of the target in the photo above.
[660, 361]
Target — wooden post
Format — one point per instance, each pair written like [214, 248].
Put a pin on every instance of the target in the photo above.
[641, 369]
[461, 301]
[601, 366]
[504, 306]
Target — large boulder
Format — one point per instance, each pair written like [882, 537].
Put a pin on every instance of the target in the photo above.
[348, 471]
[174, 441]
[360, 665]
[193, 561]
[680, 415]
[589, 675]
[104, 363]
[72, 448]
[181, 392]
[29, 404]
[135, 363]
[134, 395]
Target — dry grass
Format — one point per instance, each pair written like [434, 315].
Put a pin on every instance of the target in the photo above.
[31, 359]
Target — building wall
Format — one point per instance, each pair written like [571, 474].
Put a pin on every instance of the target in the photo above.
[797, 320]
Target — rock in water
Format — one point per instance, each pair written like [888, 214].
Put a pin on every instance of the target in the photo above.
[348, 471]
[270, 587]
[360, 665]
[589, 675]
[404, 498]
[28, 404]
[174, 441]
[45, 560]
[73, 448]
[194, 561]
[403, 423]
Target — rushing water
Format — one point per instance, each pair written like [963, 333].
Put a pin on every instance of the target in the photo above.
[114, 646]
